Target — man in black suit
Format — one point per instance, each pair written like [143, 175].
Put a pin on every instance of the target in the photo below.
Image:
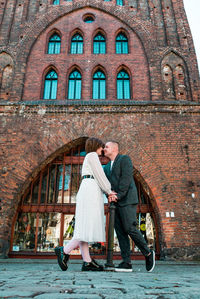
[119, 172]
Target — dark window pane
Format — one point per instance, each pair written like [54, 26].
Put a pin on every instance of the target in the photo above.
[44, 188]
[51, 184]
[76, 178]
[89, 19]
[27, 198]
[35, 192]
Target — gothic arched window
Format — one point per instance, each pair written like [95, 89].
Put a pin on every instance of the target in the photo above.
[99, 44]
[99, 85]
[121, 44]
[77, 44]
[74, 85]
[54, 44]
[123, 85]
[50, 85]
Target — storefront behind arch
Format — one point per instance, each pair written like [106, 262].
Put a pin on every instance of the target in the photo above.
[45, 215]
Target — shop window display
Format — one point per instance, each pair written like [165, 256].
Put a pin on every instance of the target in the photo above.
[48, 231]
[45, 225]
[24, 236]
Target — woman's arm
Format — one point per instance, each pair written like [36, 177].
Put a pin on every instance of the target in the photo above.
[98, 172]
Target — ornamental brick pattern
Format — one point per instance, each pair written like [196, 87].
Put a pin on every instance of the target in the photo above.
[158, 127]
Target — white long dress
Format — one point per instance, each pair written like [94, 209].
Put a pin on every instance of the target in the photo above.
[89, 216]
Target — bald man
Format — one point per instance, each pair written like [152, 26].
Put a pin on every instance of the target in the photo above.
[119, 172]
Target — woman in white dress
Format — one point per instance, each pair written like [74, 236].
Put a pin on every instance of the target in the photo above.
[89, 216]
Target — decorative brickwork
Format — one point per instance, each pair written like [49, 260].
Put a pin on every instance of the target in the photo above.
[158, 127]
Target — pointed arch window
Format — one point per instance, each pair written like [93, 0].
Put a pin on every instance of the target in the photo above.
[121, 44]
[77, 44]
[50, 85]
[120, 2]
[99, 85]
[74, 85]
[123, 85]
[54, 44]
[99, 44]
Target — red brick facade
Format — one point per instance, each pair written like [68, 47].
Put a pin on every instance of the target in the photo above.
[158, 127]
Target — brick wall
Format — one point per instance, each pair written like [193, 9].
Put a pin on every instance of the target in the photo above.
[163, 146]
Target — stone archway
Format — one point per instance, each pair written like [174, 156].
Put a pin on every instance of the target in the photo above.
[44, 217]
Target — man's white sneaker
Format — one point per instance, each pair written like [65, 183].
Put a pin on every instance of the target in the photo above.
[124, 267]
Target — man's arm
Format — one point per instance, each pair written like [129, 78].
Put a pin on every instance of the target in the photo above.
[125, 178]
[106, 169]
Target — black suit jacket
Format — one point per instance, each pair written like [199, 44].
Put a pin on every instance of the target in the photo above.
[122, 181]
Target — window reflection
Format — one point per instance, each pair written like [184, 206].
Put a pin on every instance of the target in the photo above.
[52, 186]
[24, 232]
[48, 231]
[66, 180]
[44, 188]
[76, 178]
[35, 192]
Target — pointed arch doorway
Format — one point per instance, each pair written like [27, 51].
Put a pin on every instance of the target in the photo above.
[45, 216]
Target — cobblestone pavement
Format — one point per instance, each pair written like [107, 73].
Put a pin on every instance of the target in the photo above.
[43, 279]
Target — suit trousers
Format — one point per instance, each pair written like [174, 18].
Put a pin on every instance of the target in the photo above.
[125, 226]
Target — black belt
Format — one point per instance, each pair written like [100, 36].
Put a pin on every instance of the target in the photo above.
[88, 176]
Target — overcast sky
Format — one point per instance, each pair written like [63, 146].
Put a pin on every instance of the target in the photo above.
[192, 8]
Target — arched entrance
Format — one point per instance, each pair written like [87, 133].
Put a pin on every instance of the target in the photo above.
[45, 216]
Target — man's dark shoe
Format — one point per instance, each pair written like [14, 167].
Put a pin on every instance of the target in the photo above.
[150, 261]
[62, 258]
[91, 266]
[124, 267]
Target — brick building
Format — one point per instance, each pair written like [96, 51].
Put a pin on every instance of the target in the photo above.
[120, 70]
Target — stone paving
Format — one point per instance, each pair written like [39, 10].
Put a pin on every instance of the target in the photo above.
[43, 279]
